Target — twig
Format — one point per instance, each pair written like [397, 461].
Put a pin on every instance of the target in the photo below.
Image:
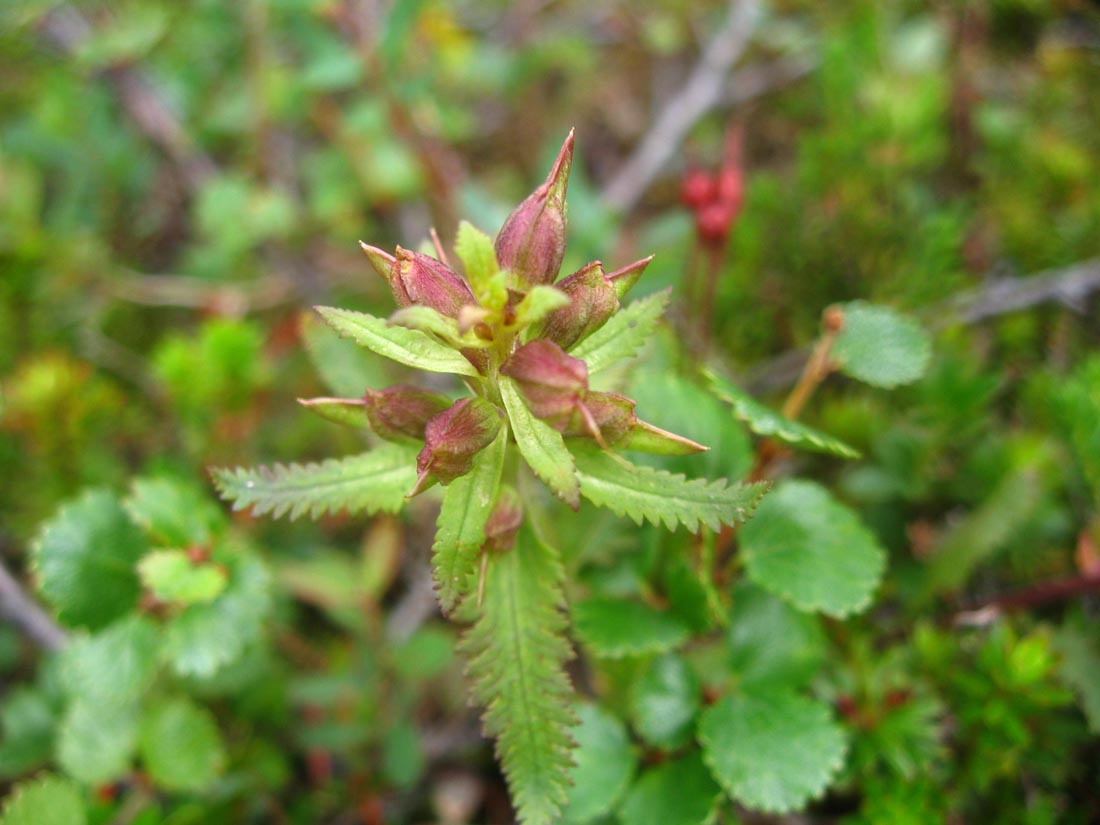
[25, 613]
[1039, 594]
[702, 91]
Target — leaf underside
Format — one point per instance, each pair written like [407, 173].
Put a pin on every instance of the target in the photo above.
[646, 494]
[517, 649]
[542, 446]
[623, 334]
[371, 482]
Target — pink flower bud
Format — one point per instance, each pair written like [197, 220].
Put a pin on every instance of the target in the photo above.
[609, 418]
[504, 521]
[552, 383]
[532, 241]
[593, 299]
[401, 412]
[415, 278]
[625, 278]
[451, 440]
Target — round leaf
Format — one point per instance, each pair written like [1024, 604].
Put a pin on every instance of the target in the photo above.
[620, 627]
[605, 762]
[680, 792]
[95, 743]
[812, 550]
[881, 347]
[772, 751]
[173, 577]
[113, 667]
[48, 800]
[664, 702]
[181, 746]
[771, 642]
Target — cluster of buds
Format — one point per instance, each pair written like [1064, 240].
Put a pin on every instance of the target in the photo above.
[509, 316]
[715, 198]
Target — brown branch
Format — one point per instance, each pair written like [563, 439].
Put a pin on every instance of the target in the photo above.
[701, 92]
[1030, 597]
[26, 614]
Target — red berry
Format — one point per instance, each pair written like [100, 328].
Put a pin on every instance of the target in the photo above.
[713, 222]
[697, 189]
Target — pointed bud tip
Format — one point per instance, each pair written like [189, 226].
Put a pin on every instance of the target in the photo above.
[379, 259]
[424, 480]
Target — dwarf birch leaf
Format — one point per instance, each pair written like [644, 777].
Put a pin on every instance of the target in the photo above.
[95, 743]
[371, 482]
[460, 529]
[646, 494]
[664, 701]
[115, 666]
[517, 649]
[772, 751]
[770, 642]
[881, 347]
[766, 422]
[678, 792]
[181, 746]
[85, 559]
[812, 550]
[405, 346]
[614, 628]
[605, 761]
[45, 800]
[173, 513]
[542, 446]
[173, 578]
[624, 333]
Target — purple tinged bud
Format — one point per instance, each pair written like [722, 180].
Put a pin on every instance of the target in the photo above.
[401, 413]
[421, 279]
[625, 278]
[593, 300]
[504, 521]
[552, 383]
[532, 241]
[609, 419]
[451, 440]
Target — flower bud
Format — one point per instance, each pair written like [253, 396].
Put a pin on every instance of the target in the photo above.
[609, 418]
[551, 382]
[504, 521]
[625, 278]
[451, 440]
[592, 300]
[401, 412]
[416, 278]
[532, 241]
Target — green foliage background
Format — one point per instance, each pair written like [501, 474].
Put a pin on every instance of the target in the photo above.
[156, 267]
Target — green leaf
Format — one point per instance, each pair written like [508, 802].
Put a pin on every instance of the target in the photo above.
[406, 346]
[85, 559]
[772, 643]
[539, 302]
[174, 578]
[663, 702]
[766, 422]
[517, 649]
[374, 482]
[115, 666]
[679, 792]
[479, 260]
[605, 761]
[339, 362]
[881, 347]
[542, 446]
[203, 638]
[772, 751]
[428, 320]
[180, 745]
[174, 514]
[614, 628]
[1081, 669]
[623, 334]
[646, 494]
[44, 800]
[460, 529]
[95, 743]
[812, 550]
[28, 720]
[402, 755]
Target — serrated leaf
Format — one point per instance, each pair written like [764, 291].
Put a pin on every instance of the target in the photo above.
[173, 578]
[28, 720]
[772, 751]
[479, 260]
[371, 482]
[623, 334]
[173, 513]
[770, 642]
[85, 559]
[45, 800]
[664, 700]
[429, 320]
[645, 494]
[339, 362]
[115, 666]
[678, 792]
[807, 547]
[542, 446]
[460, 528]
[517, 650]
[180, 745]
[203, 638]
[1080, 668]
[605, 761]
[405, 346]
[881, 347]
[614, 627]
[539, 302]
[766, 422]
[95, 743]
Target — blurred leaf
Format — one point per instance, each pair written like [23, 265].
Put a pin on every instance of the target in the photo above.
[1081, 669]
[174, 578]
[663, 702]
[95, 743]
[812, 550]
[880, 346]
[85, 558]
[28, 720]
[402, 755]
[624, 333]
[678, 792]
[180, 745]
[605, 761]
[44, 800]
[114, 667]
[621, 627]
[174, 513]
[772, 751]
[341, 364]
[771, 642]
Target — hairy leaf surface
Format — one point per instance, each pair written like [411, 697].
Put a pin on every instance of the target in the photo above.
[623, 334]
